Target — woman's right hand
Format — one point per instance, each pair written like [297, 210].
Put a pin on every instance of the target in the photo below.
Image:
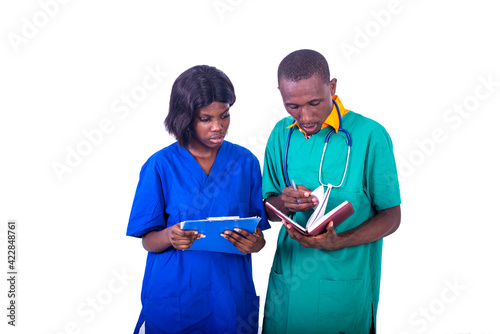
[158, 241]
[182, 239]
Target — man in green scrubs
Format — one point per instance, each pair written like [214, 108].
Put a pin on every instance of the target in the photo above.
[328, 283]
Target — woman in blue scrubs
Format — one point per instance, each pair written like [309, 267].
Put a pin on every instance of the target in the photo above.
[199, 176]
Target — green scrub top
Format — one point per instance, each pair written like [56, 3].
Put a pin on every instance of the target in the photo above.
[320, 291]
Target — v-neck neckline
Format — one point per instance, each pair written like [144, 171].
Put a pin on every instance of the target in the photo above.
[195, 168]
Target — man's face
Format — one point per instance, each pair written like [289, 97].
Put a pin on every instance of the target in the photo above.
[308, 101]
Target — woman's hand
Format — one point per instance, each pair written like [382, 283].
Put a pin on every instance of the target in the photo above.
[158, 241]
[246, 242]
[182, 239]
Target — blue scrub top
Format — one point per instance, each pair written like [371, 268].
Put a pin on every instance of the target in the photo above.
[196, 291]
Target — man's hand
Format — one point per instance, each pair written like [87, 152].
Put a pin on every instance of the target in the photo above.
[288, 201]
[381, 225]
[328, 240]
[246, 242]
[291, 199]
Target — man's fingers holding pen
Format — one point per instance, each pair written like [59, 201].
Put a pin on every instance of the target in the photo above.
[302, 193]
[291, 199]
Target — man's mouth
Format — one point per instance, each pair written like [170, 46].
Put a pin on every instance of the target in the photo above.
[309, 128]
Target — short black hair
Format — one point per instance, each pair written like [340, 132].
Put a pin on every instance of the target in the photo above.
[196, 87]
[303, 64]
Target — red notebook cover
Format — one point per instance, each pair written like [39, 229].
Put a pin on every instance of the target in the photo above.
[337, 215]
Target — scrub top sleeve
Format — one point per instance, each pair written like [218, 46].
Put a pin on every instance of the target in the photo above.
[272, 167]
[381, 173]
[148, 208]
[256, 203]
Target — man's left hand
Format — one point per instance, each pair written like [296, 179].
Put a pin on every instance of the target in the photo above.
[385, 222]
[328, 240]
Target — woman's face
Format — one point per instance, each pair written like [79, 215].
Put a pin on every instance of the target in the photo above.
[210, 125]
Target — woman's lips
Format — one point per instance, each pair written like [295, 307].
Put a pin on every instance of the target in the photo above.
[217, 139]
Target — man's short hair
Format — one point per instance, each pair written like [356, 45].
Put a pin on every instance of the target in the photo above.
[303, 64]
[196, 87]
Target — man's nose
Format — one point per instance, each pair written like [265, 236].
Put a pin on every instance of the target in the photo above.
[305, 115]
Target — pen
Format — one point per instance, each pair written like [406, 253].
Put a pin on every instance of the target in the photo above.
[295, 188]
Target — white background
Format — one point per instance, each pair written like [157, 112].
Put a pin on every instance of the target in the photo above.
[66, 67]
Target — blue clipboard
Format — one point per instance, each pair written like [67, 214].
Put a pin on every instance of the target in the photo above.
[212, 228]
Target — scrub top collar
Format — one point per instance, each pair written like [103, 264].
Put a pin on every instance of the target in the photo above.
[195, 169]
[332, 119]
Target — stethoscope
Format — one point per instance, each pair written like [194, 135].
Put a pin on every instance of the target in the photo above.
[347, 138]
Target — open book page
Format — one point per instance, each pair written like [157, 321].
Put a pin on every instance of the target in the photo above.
[319, 210]
[337, 215]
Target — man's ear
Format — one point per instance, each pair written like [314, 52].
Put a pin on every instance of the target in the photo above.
[333, 86]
